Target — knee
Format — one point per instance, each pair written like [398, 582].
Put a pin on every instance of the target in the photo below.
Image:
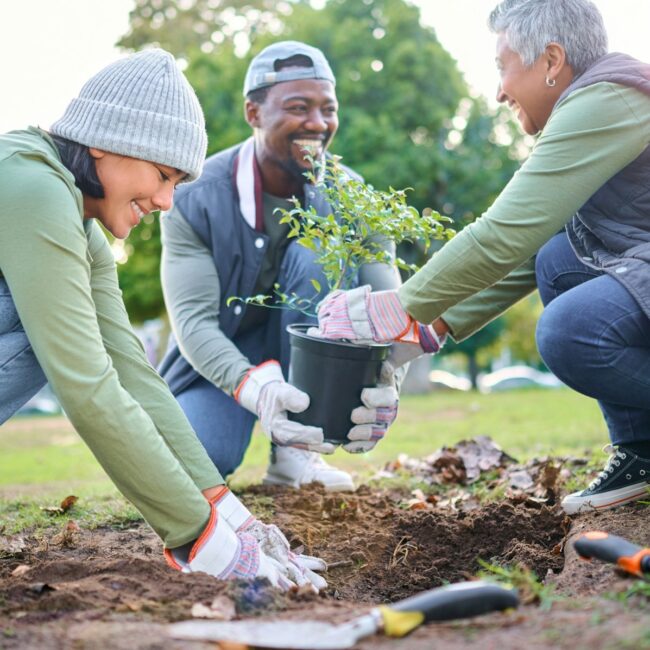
[554, 340]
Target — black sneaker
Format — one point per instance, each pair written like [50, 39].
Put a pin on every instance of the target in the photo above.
[624, 479]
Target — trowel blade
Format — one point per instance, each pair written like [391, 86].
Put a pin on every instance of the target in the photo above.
[306, 635]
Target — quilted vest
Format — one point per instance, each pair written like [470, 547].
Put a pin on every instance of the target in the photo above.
[611, 231]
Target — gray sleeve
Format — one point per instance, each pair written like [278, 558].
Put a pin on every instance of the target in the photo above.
[192, 295]
[381, 276]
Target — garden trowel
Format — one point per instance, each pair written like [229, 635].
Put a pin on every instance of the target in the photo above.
[459, 600]
[614, 549]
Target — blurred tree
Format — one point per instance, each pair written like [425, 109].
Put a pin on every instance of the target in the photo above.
[471, 348]
[407, 118]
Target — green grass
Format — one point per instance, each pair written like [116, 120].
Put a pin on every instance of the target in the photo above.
[42, 460]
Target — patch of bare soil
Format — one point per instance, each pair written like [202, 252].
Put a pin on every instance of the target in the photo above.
[112, 589]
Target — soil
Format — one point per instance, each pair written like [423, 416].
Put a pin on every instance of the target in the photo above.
[110, 588]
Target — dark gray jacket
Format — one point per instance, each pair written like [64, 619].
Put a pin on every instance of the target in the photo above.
[611, 231]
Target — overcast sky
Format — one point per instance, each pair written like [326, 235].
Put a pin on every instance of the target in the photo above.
[48, 48]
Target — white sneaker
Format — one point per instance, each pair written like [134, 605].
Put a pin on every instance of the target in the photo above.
[296, 467]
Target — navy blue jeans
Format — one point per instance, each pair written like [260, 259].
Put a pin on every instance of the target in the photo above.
[223, 427]
[594, 336]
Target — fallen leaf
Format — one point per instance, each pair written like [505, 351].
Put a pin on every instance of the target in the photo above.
[12, 545]
[20, 570]
[221, 609]
[68, 537]
[68, 502]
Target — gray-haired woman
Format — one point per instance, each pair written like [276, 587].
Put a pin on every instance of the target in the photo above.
[135, 131]
[588, 176]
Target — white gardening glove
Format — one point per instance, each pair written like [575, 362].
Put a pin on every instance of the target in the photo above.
[298, 568]
[265, 393]
[360, 315]
[222, 552]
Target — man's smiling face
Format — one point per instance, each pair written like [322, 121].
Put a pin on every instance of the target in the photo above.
[296, 116]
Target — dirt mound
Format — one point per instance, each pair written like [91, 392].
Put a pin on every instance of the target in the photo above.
[112, 589]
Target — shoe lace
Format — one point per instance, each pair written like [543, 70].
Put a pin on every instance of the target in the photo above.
[613, 462]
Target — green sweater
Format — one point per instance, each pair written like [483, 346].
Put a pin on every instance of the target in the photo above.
[62, 277]
[591, 135]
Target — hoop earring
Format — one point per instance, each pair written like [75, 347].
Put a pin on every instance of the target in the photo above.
[550, 82]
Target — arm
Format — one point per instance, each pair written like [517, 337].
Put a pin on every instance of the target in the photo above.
[591, 136]
[136, 374]
[192, 295]
[47, 264]
[469, 316]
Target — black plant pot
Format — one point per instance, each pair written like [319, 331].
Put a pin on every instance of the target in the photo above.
[333, 374]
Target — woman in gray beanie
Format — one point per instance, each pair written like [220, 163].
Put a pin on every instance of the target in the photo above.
[135, 131]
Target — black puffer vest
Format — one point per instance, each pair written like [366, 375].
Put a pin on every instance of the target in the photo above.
[611, 231]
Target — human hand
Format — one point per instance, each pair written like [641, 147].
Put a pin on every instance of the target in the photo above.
[360, 316]
[372, 420]
[224, 553]
[264, 392]
[299, 569]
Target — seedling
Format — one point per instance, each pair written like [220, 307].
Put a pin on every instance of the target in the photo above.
[352, 234]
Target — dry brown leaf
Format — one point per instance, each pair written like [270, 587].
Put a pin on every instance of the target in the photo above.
[67, 538]
[20, 570]
[68, 502]
[12, 545]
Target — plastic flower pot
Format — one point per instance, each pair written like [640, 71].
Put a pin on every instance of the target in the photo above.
[333, 374]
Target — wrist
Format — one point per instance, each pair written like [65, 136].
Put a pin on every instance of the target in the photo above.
[238, 516]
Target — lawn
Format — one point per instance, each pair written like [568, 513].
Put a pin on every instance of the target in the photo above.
[41, 456]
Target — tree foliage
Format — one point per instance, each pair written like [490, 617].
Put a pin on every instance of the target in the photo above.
[407, 118]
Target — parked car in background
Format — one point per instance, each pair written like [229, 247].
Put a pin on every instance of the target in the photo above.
[517, 377]
[43, 403]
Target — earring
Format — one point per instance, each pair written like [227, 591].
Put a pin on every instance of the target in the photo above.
[550, 82]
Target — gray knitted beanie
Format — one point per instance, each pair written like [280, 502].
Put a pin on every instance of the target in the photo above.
[143, 107]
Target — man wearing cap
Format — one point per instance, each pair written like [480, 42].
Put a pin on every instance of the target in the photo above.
[228, 363]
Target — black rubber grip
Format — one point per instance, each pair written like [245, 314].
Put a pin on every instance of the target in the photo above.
[609, 548]
[461, 600]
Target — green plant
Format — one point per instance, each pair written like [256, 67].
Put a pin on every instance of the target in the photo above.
[354, 233]
[530, 589]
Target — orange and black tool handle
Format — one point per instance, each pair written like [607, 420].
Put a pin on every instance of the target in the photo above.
[611, 548]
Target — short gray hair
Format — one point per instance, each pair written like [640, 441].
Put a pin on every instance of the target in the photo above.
[530, 25]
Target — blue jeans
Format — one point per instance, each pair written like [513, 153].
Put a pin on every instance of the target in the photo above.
[223, 427]
[594, 336]
[21, 376]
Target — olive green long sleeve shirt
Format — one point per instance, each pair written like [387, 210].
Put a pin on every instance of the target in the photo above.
[62, 278]
[591, 135]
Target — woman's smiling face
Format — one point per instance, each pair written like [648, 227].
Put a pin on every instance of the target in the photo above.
[525, 89]
[132, 189]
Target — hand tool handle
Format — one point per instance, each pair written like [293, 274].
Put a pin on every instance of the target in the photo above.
[460, 600]
[611, 548]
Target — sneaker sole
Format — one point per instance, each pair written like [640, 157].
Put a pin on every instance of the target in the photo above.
[332, 487]
[574, 504]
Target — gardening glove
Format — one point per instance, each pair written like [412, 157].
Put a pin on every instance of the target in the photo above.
[264, 392]
[298, 568]
[227, 554]
[361, 316]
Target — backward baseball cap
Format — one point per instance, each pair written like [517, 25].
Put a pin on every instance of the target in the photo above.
[262, 69]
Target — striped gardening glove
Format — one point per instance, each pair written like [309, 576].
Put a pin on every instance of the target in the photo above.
[227, 554]
[264, 392]
[300, 569]
[363, 316]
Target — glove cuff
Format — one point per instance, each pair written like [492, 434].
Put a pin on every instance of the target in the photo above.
[248, 392]
[218, 551]
[429, 340]
[238, 516]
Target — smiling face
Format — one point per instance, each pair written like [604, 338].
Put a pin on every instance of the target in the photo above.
[295, 116]
[525, 90]
[132, 189]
